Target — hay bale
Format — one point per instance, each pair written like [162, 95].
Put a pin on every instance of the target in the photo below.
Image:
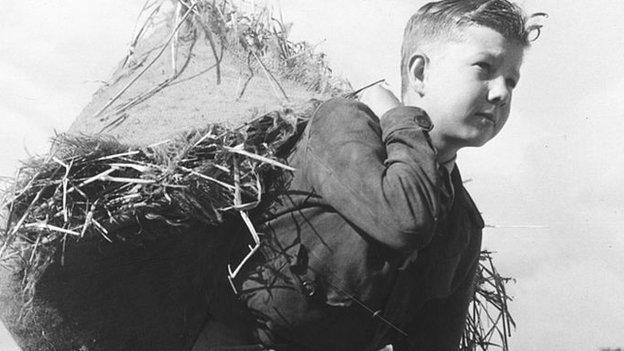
[135, 294]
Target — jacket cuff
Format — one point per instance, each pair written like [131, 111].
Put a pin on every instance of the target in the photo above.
[408, 118]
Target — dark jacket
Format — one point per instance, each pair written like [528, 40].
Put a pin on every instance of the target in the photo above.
[365, 247]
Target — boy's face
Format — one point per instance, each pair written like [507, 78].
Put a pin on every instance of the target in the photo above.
[467, 86]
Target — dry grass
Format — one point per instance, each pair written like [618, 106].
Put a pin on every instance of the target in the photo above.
[257, 41]
[93, 186]
[489, 323]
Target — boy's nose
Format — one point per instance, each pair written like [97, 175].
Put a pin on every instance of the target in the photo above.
[499, 92]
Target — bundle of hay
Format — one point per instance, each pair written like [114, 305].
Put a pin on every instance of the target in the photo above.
[112, 235]
[96, 194]
[92, 186]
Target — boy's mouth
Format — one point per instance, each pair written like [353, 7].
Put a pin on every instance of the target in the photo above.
[488, 116]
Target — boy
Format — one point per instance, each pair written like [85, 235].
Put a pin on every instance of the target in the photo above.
[375, 242]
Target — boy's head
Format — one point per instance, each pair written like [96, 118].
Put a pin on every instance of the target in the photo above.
[460, 62]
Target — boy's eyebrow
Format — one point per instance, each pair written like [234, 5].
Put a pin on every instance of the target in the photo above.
[486, 55]
[515, 74]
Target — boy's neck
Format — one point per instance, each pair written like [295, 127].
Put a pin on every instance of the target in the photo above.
[445, 151]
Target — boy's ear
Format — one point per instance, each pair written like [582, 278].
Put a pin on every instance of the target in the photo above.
[416, 72]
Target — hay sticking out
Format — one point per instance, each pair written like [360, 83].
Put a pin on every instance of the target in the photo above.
[489, 322]
[255, 41]
[92, 186]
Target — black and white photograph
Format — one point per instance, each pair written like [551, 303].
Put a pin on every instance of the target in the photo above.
[296, 175]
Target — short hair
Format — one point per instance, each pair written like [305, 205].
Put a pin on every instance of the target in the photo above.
[441, 20]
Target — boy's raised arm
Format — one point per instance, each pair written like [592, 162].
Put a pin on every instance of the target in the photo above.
[387, 183]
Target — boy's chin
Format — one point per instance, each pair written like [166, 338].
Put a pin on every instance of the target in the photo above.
[477, 139]
[470, 137]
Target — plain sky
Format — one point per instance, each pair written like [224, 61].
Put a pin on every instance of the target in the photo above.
[555, 171]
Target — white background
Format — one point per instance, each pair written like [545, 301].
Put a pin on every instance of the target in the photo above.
[558, 163]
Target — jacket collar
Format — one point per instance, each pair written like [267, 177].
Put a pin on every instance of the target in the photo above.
[463, 197]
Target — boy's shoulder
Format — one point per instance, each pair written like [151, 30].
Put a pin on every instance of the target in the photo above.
[342, 116]
[348, 112]
[344, 108]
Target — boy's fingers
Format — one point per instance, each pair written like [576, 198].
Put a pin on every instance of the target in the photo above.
[379, 99]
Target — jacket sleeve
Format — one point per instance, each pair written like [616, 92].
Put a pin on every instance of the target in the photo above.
[383, 179]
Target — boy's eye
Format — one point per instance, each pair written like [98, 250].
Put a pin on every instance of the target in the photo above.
[486, 67]
[511, 83]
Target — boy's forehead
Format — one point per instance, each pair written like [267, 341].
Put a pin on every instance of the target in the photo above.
[481, 34]
[480, 43]
[481, 40]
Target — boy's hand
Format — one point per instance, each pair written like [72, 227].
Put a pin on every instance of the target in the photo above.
[379, 99]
